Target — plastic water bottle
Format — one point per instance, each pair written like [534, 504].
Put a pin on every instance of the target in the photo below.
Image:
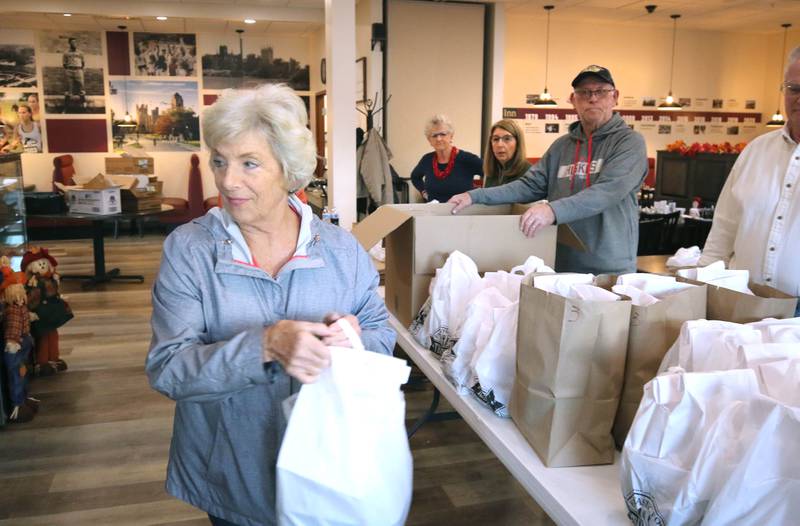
[334, 219]
[326, 215]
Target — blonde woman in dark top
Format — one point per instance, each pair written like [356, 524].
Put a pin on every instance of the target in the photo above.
[504, 160]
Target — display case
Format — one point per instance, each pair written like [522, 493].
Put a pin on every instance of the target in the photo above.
[13, 233]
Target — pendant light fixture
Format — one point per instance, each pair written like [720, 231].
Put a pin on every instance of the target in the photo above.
[777, 119]
[669, 103]
[544, 99]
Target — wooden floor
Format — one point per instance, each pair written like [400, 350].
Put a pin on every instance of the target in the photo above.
[96, 453]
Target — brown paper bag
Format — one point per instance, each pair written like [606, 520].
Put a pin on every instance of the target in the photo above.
[738, 307]
[570, 364]
[653, 330]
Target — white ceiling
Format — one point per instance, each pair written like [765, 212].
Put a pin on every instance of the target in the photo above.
[301, 17]
[78, 22]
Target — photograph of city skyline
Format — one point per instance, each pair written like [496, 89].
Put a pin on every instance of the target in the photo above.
[233, 67]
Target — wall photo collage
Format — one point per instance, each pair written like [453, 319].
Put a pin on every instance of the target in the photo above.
[133, 92]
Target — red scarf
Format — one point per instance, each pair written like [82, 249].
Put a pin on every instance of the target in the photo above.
[449, 168]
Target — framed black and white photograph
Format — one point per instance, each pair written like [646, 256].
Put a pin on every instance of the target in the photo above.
[361, 79]
[164, 54]
[17, 59]
[241, 61]
[72, 71]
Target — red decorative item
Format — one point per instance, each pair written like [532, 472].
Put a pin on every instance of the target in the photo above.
[442, 174]
[695, 148]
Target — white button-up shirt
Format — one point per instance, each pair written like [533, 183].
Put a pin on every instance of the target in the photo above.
[757, 220]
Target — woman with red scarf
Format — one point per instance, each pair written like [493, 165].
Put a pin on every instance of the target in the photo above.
[446, 171]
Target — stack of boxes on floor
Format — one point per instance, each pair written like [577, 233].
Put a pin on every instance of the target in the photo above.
[32, 312]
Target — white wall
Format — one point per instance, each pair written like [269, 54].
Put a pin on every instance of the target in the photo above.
[435, 65]
[708, 64]
[170, 167]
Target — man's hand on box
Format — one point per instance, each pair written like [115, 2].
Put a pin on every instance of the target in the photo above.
[536, 218]
[461, 201]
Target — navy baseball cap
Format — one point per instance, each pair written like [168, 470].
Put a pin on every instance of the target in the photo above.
[594, 71]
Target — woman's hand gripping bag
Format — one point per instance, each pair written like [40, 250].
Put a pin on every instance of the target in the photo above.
[345, 458]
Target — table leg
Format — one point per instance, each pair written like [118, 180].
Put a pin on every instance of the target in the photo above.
[431, 415]
[100, 273]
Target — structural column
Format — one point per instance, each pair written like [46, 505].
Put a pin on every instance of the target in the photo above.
[340, 51]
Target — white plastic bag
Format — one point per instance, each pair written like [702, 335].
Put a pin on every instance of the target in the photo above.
[780, 380]
[653, 284]
[685, 257]
[475, 333]
[345, 458]
[693, 346]
[717, 274]
[495, 365]
[457, 282]
[665, 440]
[758, 480]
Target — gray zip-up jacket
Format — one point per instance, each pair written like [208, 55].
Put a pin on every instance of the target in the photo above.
[604, 212]
[209, 313]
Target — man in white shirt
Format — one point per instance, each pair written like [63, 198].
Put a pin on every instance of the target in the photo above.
[757, 221]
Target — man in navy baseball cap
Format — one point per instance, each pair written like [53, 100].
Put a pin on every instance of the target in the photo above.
[589, 177]
[594, 71]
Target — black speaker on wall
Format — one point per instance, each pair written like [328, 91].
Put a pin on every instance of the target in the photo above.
[378, 36]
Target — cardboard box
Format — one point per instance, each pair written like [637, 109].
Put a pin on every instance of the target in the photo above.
[129, 165]
[419, 237]
[102, 201]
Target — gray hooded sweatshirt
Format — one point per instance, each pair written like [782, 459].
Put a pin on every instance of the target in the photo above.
[602, 211]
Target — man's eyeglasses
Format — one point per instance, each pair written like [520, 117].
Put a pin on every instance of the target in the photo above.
[508, 139]
[790, 88]
[587, 94]
[439, 135]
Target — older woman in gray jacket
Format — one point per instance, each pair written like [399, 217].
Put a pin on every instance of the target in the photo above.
[243, 305]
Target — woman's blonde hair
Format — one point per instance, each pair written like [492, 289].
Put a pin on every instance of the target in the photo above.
[517, 164]
[278, 114]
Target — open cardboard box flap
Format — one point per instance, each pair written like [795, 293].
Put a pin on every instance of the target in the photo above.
[389, 218]
[125, 182]
[98, 182]
[420, 238]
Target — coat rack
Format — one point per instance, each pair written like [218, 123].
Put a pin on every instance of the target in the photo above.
[371, 111]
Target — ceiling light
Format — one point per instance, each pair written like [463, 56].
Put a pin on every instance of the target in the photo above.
[777, 120]
[544, 99]
[162, 18]
[249, 21]
[669, 103]
[67, 14]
